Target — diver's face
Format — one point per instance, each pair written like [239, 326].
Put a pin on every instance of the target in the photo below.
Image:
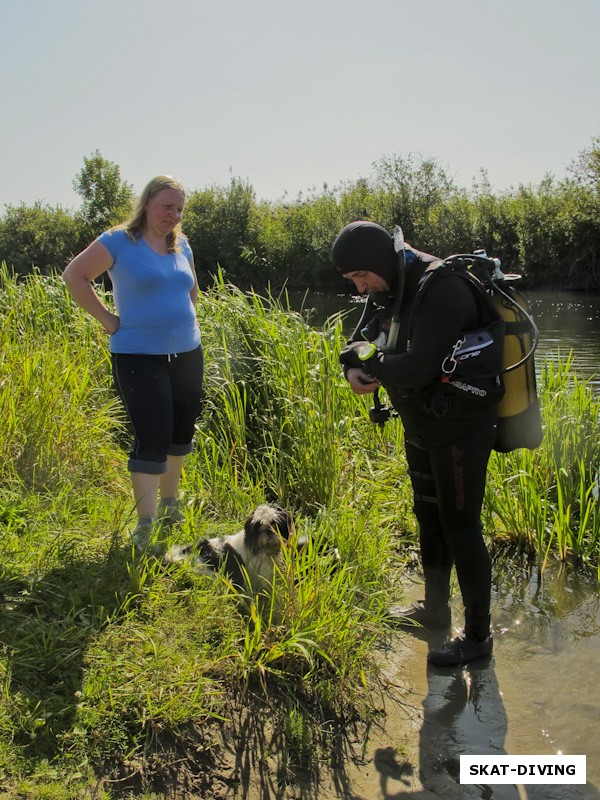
[367, 282]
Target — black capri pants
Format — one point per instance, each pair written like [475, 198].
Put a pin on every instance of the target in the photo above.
[162, 395]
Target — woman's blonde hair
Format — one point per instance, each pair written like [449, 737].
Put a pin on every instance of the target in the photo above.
[135, 225]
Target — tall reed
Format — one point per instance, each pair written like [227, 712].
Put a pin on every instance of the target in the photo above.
[274, 396]
[59, 415]
[546, 500]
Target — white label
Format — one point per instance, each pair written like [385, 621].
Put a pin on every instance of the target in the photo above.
[522, 769]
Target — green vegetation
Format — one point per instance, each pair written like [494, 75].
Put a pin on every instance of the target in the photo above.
[113, 666]
[550, 232]
[546, 501]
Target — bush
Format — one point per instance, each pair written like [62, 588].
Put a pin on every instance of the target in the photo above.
[38, 237]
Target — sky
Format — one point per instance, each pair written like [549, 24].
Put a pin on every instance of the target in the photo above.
[292, 96]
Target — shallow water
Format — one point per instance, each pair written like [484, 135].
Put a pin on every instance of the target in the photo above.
[539, 694]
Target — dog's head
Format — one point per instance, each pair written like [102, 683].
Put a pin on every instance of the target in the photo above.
[266, 528]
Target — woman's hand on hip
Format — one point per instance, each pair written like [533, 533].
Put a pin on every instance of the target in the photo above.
[111, 324]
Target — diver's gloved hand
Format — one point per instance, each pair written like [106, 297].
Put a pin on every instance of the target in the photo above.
[364, 355]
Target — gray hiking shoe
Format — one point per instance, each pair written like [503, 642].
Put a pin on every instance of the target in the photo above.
[147, 536]
[169, 511]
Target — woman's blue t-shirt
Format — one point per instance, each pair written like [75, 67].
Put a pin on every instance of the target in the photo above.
[152, 297]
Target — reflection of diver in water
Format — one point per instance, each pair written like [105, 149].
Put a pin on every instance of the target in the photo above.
[463, 714]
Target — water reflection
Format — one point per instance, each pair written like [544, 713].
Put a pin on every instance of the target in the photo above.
[563, 596]
[463, 713]
[550, 630]
[569, 321]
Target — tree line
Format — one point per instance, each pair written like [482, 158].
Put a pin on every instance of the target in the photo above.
[550, 232]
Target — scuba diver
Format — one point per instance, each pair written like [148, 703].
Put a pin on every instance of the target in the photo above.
[438, 355]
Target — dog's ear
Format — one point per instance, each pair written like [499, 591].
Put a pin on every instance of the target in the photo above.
[252, 528]
[234, 566]
[283, 521]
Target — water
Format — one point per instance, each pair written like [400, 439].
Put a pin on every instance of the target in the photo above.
[569, 321]
[539, 694]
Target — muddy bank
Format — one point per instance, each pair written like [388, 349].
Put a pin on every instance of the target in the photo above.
[537, 695]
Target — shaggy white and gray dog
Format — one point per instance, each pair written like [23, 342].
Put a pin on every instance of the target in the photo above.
[251, 555]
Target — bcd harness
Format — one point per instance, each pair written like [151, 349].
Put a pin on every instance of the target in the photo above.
[473, 369]
[492, 365]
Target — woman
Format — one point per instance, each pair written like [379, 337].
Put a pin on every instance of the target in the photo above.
[448, 438]
[156, 352]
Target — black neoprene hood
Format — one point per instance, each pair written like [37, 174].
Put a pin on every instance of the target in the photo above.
[366, 245]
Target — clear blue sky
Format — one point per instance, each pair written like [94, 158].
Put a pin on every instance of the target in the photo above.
[290, 95]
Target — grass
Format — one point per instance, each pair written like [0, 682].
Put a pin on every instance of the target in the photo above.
[117, 677]
[546, 501]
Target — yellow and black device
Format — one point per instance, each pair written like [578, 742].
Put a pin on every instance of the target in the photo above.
[519, 417]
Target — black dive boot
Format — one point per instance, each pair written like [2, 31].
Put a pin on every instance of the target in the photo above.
[460, 651]
[432, 613]
[474, 644]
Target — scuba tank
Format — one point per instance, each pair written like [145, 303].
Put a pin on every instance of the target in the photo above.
[519, 417]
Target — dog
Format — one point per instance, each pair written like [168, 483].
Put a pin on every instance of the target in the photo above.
[250, 556]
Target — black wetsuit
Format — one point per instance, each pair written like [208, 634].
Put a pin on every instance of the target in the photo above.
[447, 453]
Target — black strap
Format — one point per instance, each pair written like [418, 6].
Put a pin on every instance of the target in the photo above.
[425, 498]
[423, 475]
